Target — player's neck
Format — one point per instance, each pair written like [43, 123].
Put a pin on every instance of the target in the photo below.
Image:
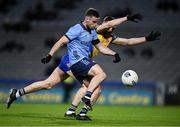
[84, 24]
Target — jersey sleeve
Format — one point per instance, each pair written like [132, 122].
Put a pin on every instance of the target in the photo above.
[73, 32]
[95, 37]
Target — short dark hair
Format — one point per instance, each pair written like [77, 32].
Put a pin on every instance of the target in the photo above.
[108, 18]
[92, 12]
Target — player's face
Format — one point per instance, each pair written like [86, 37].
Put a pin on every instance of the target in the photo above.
[92, 22]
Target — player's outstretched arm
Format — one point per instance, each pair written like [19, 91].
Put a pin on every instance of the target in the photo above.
[134, 41]
[109, 24]
[130, 41]
[105, 25]
[63, 40]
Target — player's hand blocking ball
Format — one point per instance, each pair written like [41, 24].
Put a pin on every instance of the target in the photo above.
[46, 59]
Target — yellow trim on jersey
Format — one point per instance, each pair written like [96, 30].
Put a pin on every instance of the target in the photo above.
[104, 41]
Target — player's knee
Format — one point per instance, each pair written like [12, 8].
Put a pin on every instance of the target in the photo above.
[49, 85]
[103, 76]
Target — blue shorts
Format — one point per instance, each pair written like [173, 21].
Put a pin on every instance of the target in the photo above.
[64, 63]
[80, 69]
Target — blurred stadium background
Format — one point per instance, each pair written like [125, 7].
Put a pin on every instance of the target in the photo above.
[28, 29]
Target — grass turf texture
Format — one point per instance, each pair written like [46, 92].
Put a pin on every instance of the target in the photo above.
[53, 115]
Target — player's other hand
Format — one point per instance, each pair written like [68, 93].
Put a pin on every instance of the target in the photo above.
[153, 36]
[46, 59]
[135, 17]
[117, 58]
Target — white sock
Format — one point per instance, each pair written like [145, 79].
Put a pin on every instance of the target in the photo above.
[17, 94]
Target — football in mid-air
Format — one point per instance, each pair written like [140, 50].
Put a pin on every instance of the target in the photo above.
[129, 77]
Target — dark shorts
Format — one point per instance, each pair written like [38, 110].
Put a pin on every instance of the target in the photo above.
[80, 69]
[64, 63]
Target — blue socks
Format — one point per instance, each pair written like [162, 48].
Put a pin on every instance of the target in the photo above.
[88, 95]
[84, 111]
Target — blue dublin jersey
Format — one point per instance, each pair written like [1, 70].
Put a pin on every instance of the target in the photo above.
[80, 40]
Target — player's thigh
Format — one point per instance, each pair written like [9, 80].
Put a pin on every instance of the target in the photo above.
[57, 76]
[96, 69]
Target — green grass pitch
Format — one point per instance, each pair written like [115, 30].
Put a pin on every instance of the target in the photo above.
[53, 115]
